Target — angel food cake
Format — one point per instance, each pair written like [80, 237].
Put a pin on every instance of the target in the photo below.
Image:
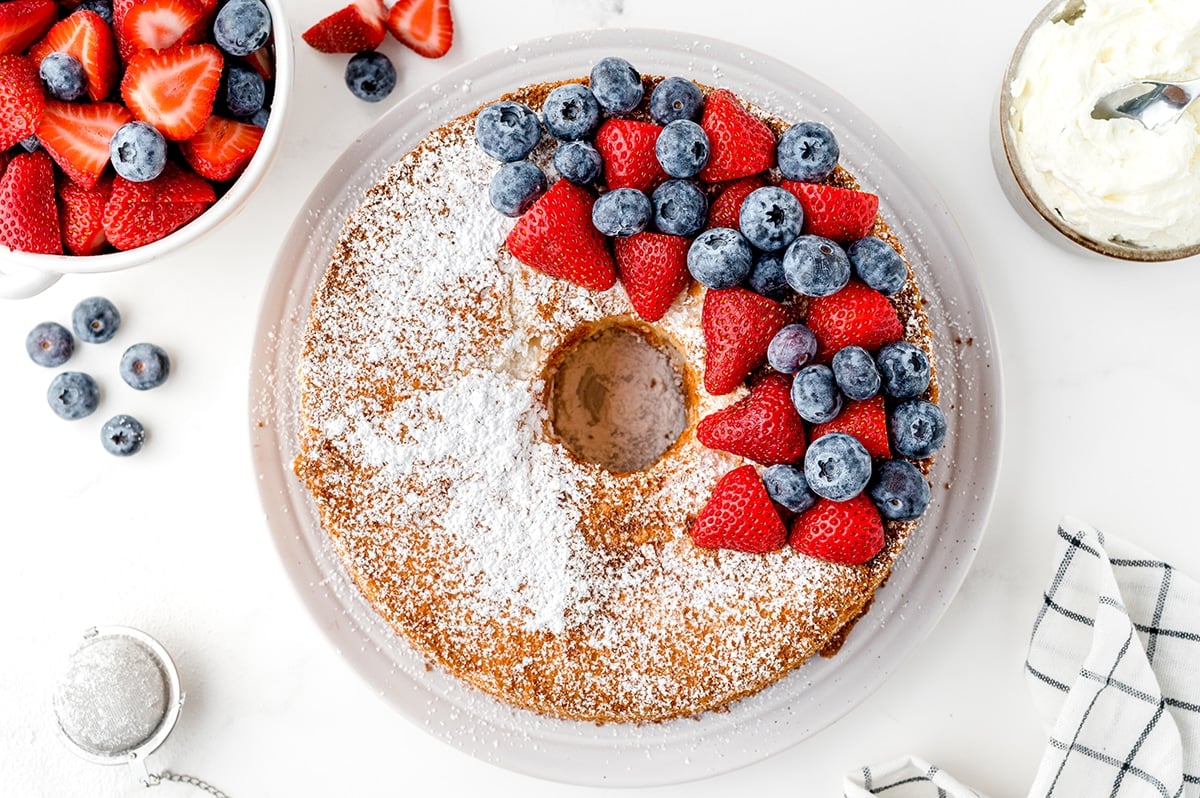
[632, 425]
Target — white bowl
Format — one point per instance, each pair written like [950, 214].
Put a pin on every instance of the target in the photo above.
[23, 274]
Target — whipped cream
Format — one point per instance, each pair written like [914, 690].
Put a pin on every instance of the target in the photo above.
[1112, 181]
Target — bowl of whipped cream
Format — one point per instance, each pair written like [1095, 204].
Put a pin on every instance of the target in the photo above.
[1109, 185]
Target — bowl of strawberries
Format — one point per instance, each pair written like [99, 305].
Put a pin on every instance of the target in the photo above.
[129, 129]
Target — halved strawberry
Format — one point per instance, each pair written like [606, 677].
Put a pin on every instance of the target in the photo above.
[739, 143]
[21, 100]
[28, 217]
[174, 89]
[627, 147]
[737, 325]
[849, 532]
[841, 214]
[262, 62]
[726, 209]
[139, 213]
[424, 26]
[762, 426]
[77, 136]
[740, 515]
[556, 236]
[85, 35]
[222, 148]
[81, 216]
[866, 421]
[357, 27]
[159, 24]
[653, 270]
[23, 22]
[855, 316]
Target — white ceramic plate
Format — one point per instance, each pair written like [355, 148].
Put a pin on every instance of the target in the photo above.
[906, 609]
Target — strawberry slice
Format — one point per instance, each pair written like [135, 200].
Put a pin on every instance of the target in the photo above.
[855, 316]
[140, 213]
[556, 236]
[23, 22]
[262, 62]
[77, 136]
[866, 421]
[159, 24]
[424, 26]
[222, 148]
[353, 29]
[849, 532]
[28, 217]
[174, 89]
[21, 100]
[627, 147]
[841, 214]
[737, 325]
[739, 143]
[81, 216]
[653, 269]
[85, 35]
[740, 515]
[726, 209]
[762, 426]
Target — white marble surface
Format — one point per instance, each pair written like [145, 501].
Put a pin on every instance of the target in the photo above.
[1101, 403]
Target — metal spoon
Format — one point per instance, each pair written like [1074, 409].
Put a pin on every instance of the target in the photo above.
[1154, 103]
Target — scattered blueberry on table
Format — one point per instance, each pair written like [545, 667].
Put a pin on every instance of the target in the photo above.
[122, 436]
[50, 344]
[73, 395]
[95, 320]
[370, 76]
[144, 366]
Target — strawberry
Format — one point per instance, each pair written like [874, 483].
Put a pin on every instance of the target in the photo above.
[28, 217]
[556, 236]
[762, 426]
[262, 62]
[727, 207]
[739, 144]
[849, 532]
[424, 26]
[139, 213]
[627, 147]
[740, 515]
[159, 24]
[866, 421]
[353, 29]
[23, 22]
[855, 316]
[21, 100]
[77, 135]
[841, 214]
[222, 148]
[737, 325]
[173, 89]
[653, 269]
[81, 216]
[85, 35]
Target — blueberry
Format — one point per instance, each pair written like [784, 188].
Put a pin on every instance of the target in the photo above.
[904, 368]
[63, 76]
[95, 320]
[101, 7]
[787, 486]
[807, 151]
[720, 258]
[507, 131]
[680, 208]
[878, 265]
[370, 76]
[138, 151]
[244, 90]
[122, 435]
[616, 85]
[516, 186]
[675, 98]
[815, 394]
[30, 143]
[899, 490]
[682, 148]
[260, 117]
[622, 212]
[242, 26]
[73, 395]
[144, 366]
[792, 348]
[571, 112]
[766, 277]
[816, 266]
[49, 344]
[837, 466]
[918, 428]
[770, 218]
[579, 162]
[855, 372]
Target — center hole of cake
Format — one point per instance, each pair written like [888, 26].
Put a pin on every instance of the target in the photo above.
[617, 398]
